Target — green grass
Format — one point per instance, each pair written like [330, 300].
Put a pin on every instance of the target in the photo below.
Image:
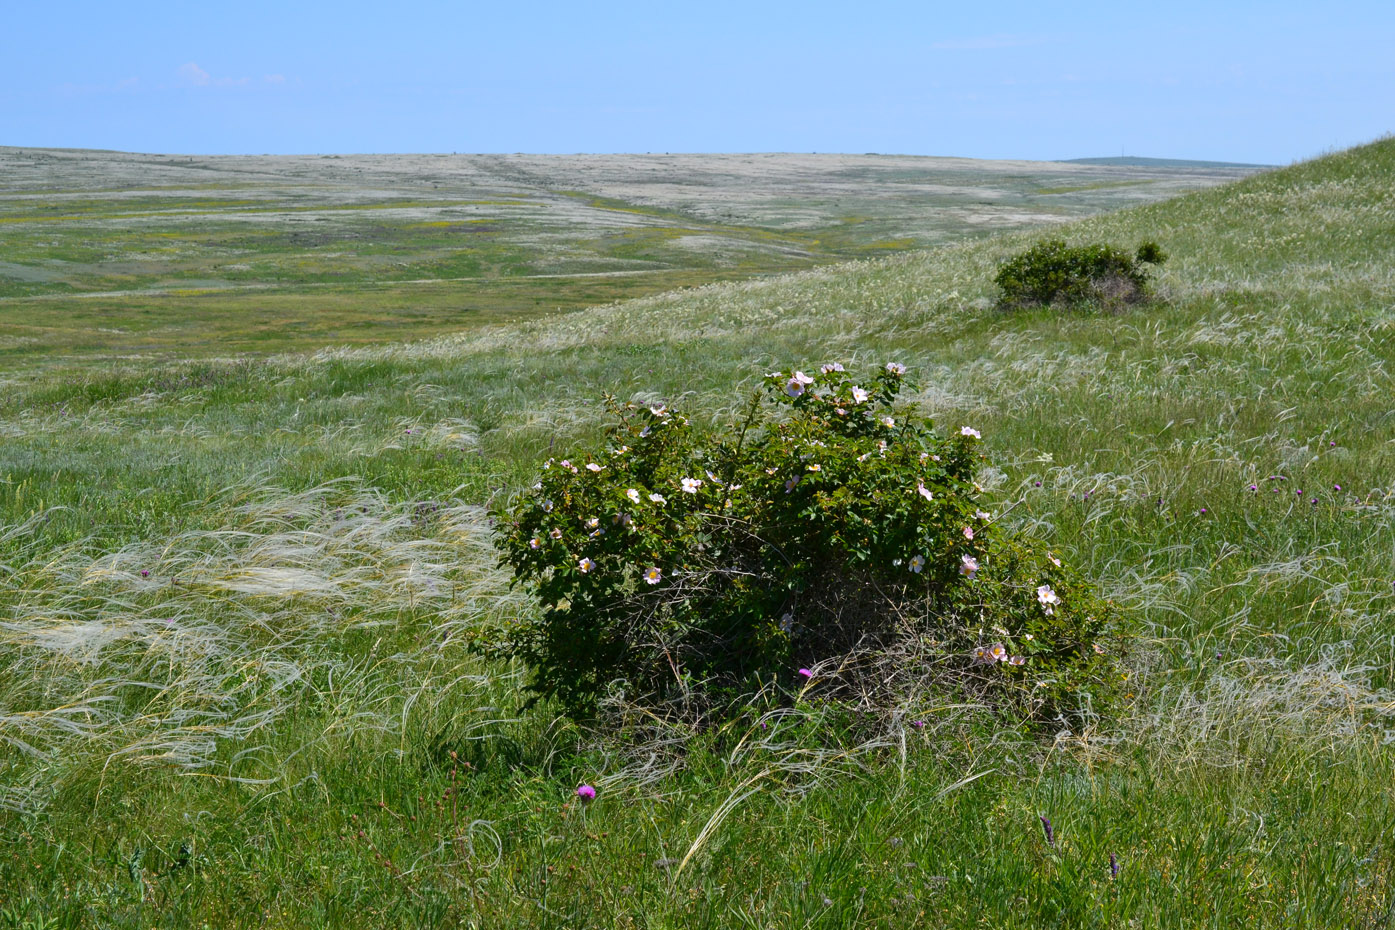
[281, 696]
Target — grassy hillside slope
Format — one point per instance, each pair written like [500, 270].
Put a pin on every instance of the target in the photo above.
[235, 598]
[117, 254]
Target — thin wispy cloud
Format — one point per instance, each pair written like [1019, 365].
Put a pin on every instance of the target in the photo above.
[979, 43]
[192, 74]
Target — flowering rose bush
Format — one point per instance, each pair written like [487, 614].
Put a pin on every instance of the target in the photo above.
[673, 566]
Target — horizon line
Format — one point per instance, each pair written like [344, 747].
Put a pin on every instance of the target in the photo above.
[573, 154]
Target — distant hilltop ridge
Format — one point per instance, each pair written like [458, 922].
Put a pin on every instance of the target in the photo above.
[1138, 161]
[1121, 161]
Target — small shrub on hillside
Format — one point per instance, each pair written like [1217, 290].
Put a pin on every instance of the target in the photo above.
[1053, 272]
[1150, 253]
[829, 526]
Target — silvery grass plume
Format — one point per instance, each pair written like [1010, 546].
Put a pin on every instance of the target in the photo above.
[787, 746]
[795, 741]
[187, 651]
[1318, 705]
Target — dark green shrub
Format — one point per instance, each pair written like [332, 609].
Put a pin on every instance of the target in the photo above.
[685, 570]
[1053, 272]
[1150, 253]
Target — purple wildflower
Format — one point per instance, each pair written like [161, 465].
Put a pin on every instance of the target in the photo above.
[145, 573]
[1046, 828]
[1113, 866]
[918, 724]
[586, 793]
[806, 673]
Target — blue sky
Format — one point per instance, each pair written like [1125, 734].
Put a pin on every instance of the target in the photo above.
[1262, 82]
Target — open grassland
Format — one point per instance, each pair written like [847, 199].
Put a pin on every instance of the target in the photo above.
[109, 253]
[236, 595]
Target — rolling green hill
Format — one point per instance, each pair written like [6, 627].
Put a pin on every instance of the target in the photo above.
[118, 254]
[1139, 161]
[237, 593]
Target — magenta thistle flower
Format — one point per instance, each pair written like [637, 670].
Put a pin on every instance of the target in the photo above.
[586, 793]
[806, 673]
